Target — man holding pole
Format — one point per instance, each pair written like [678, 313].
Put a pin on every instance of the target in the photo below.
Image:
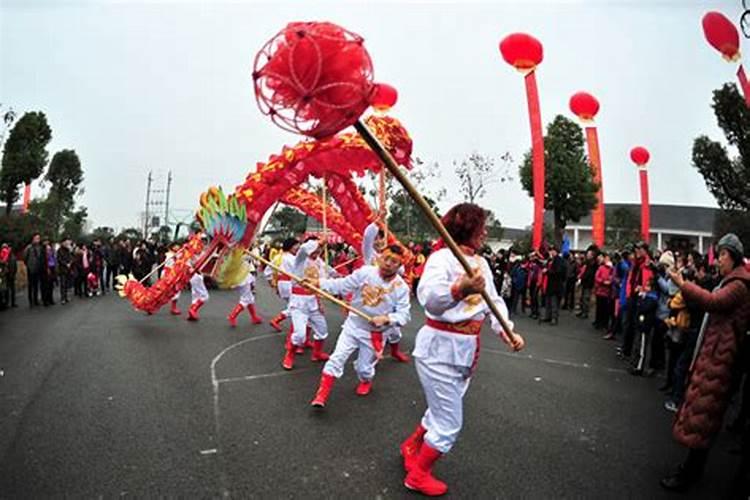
[379, 292]
[373, 241]
[290, 246]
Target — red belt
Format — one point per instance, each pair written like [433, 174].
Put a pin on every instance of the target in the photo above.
[463, 328]
[283, 277]
[299, 290]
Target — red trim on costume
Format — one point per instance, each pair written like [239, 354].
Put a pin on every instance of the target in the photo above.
[283, 277]
[298, 290]
[469, 327]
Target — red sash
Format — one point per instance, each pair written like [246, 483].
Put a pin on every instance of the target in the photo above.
[463, 328]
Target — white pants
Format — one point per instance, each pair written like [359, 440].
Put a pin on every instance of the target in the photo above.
[198, 289]
[392, 335]
[349, 341]
[176, 296]
[247, 296]
[444, 386]
[300, 320]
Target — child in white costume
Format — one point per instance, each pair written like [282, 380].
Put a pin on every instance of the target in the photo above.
[380, 293]
[373, 240]
[170, 259]
[304, 305]
[247, 300]
[447, 347]
[199, 295]
[290, 247]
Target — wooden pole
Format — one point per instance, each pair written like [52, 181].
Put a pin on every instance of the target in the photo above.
[382, 202]
[392, 166]
[315, 289]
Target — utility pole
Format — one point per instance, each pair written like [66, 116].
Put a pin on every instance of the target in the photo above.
[147, 222]
[166, 205]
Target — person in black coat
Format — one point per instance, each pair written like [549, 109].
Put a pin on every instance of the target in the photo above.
[34, 259]
[65, 269]
[555, 285]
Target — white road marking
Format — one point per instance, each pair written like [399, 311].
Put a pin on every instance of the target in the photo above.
[570, 364]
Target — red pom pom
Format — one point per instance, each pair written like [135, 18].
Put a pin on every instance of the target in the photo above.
[313, 78]
[384, 97]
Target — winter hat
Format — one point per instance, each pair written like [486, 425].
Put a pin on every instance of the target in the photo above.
[733, 245]
[667, 258]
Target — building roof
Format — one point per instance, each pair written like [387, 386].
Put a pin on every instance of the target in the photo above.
[665, 217]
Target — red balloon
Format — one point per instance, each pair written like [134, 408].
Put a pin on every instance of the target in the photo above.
[639, 155]
[722, 35]
[384, 97]
[584, 105]
[522, 51]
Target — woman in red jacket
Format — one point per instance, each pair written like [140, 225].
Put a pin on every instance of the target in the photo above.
[603, 291]
[699, 419]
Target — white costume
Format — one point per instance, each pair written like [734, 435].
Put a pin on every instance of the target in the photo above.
[304, 305]
[445, 359]
[370, 255]
[198, 289]
[169, 261]
[375, 297]
[246, 288]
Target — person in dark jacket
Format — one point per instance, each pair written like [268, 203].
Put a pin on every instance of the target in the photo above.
[33, 257]
[727, 319]
[571, 276]
[10, 269]
[587, 277]
[555, 285]
[64, 269]
[518, 286]
[49, 275]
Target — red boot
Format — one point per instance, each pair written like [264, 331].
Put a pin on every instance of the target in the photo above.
[398, 355]
[257, 320]
[233, 315]
[174, 309]
[276, 322]
[324, 390]
[364, 387]
[308, 338]
[318, 354]
[288, 361]
[410, 447]
[420, 476]
[193, 311]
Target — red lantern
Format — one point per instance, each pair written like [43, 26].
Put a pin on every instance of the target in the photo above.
[522, 51]
[384, 97]
[584, 106]
[639, 155]
[722, 35]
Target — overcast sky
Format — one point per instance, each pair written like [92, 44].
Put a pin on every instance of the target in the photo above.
[139, 86]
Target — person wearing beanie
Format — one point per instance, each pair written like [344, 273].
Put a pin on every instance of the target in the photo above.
[700, 417]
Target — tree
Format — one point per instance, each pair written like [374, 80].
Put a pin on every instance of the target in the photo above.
[734, 221]
[623, 227]
[494, 227]
[24, 155]
[8, 116]
[17, 229]
[477, 172]
[102, 233]
[65, 176]
[130, 233]
[75, 223]
[570, 191]
[728, 179]
[289, 221]
[407, 221]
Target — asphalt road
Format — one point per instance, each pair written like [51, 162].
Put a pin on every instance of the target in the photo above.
[99, 400]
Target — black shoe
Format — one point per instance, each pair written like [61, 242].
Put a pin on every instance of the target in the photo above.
[665, 387]
[679, 481]
[635, 371]
[545, 320]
